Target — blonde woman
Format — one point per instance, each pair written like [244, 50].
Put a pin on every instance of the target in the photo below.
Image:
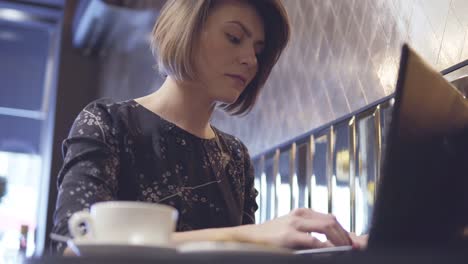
[161, 148]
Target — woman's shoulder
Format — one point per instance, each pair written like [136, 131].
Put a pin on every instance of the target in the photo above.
[108, 106]
[103, 115]
[107, 110]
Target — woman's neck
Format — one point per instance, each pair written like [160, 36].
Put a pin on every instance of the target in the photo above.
[182, 104]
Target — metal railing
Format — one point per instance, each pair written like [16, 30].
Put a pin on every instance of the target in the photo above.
[333, 169]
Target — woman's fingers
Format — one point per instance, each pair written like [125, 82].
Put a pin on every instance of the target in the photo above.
[359, 242]
[335, 232]
[292, 230]
[304, 240]
[338, 237]
[307, 220]
[328, 244]
[68, 252]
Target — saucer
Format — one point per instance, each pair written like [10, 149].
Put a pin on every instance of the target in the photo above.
[93, 248]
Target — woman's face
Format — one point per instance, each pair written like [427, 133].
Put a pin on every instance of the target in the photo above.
[226, 54]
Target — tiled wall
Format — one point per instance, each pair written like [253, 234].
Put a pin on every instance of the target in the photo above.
[343, 55]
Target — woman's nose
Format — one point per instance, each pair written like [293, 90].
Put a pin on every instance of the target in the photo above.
[249, 59]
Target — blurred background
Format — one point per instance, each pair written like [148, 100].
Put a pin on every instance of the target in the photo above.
[58, 55]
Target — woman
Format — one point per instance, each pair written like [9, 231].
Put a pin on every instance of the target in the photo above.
[162, 148]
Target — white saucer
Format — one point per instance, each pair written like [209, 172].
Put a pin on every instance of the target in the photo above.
[91, 248]
[234, 247]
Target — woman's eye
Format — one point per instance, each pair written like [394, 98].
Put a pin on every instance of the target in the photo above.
[233, 39]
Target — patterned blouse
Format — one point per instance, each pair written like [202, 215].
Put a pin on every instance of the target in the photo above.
[123, 151]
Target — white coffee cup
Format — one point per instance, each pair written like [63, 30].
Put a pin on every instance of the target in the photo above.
[127, 223]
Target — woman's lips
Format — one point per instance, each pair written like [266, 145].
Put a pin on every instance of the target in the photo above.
[238, 78]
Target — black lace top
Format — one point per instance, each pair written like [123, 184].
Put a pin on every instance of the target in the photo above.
[123, 151]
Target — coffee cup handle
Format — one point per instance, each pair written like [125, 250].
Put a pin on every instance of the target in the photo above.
[76, 221]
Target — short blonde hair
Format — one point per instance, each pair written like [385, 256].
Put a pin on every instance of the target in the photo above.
[179, 25]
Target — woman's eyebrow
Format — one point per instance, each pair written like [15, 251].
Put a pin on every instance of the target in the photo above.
[245, 29]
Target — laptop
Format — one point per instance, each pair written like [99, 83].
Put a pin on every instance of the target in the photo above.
[422, 196]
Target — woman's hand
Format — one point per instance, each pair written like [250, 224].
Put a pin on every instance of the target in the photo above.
[292, 231]
[68, 252]
[359, 242]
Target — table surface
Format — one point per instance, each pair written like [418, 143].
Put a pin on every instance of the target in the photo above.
[400, 256]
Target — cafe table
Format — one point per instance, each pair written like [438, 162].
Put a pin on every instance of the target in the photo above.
[398, 256]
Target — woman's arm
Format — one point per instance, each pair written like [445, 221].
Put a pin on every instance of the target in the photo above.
[90, 169]
[289, 231]
[250, 193]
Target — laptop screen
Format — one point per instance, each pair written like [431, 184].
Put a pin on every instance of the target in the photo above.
[421, 195]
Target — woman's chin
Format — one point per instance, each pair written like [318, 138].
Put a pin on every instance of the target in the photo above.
[228, 99]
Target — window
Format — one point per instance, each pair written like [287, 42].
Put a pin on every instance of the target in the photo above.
[27, 79]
